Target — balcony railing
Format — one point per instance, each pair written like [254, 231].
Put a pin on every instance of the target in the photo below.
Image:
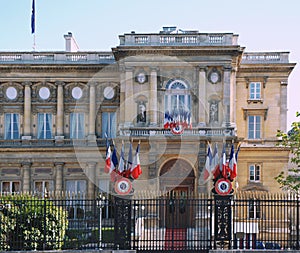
[265, 57]
[56, 57]
[198, 39]
[133, 132]
[201, 132]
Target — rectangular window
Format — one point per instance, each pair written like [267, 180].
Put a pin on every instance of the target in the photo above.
[109, 124]
[44, 126]
[10, 187]
[12, 126]
[76, 203]
[42, 187]
[254, 173]
[77, 126]
[255, 91]
[254, 209]
[254, 127]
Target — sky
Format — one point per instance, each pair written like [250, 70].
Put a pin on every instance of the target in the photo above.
[262, 25]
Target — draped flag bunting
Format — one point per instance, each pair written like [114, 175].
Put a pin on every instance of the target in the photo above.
[208, 163]
[136, 166]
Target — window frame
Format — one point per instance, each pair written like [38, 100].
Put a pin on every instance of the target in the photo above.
[109, 125]
[75, 133]
[10, 135]
[11, 183]
[255, 131]
[257, 96]
[256, 168]
[43, 134]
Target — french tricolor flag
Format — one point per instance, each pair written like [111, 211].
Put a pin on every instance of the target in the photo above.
[107, 167]
[136, 170]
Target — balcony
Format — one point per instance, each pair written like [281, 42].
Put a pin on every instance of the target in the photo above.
[265, 58]
[205, 132]
[183, 39]
[56, 58]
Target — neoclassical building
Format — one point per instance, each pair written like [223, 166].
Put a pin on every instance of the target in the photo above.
[56, 109]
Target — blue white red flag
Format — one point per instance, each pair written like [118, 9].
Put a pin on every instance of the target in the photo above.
[136, 166]
[108, 157]
[215, 165]
[208, 162]
[232, 163]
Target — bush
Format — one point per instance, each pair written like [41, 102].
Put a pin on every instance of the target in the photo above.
[30, 223]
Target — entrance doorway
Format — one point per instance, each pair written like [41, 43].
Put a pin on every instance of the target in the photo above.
[177, 179]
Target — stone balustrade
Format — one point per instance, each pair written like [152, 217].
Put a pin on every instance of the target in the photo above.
[56, 58]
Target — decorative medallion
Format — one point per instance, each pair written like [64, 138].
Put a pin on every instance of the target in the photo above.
[177, 130]
[123, 186]
[223, 186]
[109, 92]
[214, 76]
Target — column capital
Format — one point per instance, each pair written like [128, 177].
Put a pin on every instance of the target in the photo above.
[59, 164]
[59, 83]
[202, 68]
[154, 69]
[227, 68]
[27, 83]
[26, 164]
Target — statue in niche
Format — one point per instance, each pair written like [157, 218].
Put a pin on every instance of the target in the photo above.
[141, 117]
[213, 113]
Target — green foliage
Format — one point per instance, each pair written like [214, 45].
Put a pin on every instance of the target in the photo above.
[291, 140]
[30, 223]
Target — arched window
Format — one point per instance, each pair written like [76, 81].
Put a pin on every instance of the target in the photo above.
[178, 101]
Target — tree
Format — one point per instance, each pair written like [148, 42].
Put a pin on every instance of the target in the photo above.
[291, 140]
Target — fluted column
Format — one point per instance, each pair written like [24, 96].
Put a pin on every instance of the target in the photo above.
[92, 112]
[226, 96]
[59, 169]
[153, 97]
[26, 166]
[128, 100]
[60, 110]
[91, 175]
[27, 111]
[202, 97]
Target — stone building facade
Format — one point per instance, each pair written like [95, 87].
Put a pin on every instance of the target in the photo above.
[57, 107]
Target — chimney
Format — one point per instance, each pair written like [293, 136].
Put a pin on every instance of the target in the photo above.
[71, 45]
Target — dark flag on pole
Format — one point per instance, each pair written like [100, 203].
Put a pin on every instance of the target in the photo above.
[33, 18]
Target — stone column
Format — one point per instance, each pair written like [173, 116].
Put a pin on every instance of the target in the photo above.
[122, 96]
[226, 96]
[27, 112]
[233, 98]
[283, 105]
[26, 166]
[130, 112]
[59, 169]
[153, 98]
[202, 110]
[92, 113]
[91, 175]
[60, 111]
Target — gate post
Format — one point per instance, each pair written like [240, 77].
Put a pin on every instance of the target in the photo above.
[122, 224]
[222, 222]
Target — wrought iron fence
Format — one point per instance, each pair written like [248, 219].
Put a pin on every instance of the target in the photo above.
[177, 221]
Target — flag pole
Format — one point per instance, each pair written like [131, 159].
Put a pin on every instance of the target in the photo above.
[34, 45]
[33, 24]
